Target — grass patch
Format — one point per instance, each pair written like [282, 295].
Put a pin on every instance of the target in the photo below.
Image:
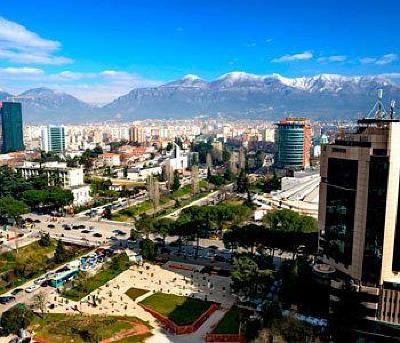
[60, 328]
[230, 323]
[185, 190]
[31, 261]
[181, 310]
[135, 293]
[84, 286]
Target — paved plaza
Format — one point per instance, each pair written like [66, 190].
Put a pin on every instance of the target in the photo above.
[173, 278]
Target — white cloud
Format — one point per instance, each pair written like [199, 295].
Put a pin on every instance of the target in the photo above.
[306, 55]
[20, 71]
[332, 59]
[19, 45]
[385, 59]
[100, 87]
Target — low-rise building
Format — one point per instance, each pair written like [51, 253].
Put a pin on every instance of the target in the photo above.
[58, 174]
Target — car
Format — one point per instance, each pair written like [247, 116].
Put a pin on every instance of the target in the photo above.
[67, 228]
[219, 258]
[85, 231]
[37, 221]
[6, 299]
[75, 227]
[51, 226]
[39, 281]
[97, 234]
[17, 291]
[31, 288]
[81, 227]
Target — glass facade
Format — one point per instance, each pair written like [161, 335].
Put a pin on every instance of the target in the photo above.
[340, 208]
[290, 145]
[375, 225]
[56, 139]
[11, 124]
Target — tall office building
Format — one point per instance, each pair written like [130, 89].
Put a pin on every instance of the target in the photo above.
[12, 138]
[53, 138]
[293, 143]
[359, 215]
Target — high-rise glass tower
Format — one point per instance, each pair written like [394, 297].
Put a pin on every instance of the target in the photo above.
[12, 138]
[53, 138]
[293, 143]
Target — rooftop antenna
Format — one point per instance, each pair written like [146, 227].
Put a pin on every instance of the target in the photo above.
[379, 109]
[392, 112]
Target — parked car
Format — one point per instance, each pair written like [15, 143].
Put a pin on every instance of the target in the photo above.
[219, 258]
[17, 291]
[39, 281]
[37, 221]
[97, 234]
[31, 288]
[85, 231]
[51, 226]
[6, 299]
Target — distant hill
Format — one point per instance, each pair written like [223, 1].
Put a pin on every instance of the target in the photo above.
[236, 95]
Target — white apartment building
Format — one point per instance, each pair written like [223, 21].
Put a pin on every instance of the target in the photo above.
[59, 174]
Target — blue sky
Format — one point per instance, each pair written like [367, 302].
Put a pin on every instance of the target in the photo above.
[100, 49]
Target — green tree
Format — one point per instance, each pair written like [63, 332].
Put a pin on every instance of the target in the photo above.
[244, 275]
[228, 175]
[59, 197]
[163, 227]
[44, 240]
[60, 255]
[35, 197]
[242, 183]
[145, 225]
[17, 317]
[12, 208]
[176, 183]
[148, 249]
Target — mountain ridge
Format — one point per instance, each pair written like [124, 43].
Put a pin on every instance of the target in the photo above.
[234, 94]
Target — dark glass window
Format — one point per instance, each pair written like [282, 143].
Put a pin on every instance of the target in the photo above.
[340, 207]
[375, 226]
[342, 172]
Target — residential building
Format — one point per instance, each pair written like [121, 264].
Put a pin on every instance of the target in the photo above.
[293, 143]
[58, 174]
[110, 159]
[53, 139]
[12, 138]
[359, 216]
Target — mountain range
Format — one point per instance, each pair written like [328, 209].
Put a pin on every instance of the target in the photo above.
[233, 95]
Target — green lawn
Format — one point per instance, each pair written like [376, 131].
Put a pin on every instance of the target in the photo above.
[181, 310]
[230, 323]
[84, 286]
[30, 262]
[60, 328]
[135, 293]
[183, 194]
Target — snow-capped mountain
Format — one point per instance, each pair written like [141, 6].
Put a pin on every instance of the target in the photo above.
[235, 94]
[240, 94]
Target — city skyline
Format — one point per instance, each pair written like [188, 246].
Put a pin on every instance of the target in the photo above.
[99, 53]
